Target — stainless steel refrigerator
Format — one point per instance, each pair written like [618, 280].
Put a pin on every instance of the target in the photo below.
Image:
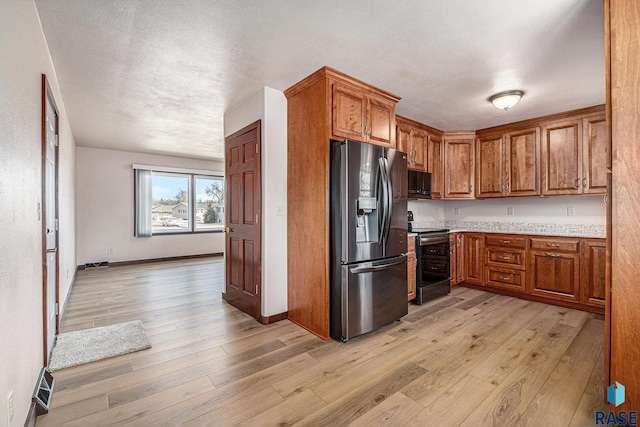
[368, 223]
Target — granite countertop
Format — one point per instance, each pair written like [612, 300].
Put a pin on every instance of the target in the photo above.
[541, 229]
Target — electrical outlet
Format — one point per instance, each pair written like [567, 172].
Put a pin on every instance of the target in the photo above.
[279, 210]
[109, 251]
[571, 211]
[456, 211]
[510, 210]
[10, 407]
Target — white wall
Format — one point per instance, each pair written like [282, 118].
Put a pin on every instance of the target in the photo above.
[105, 214]
[25, 57]
[270, 106]
[547, 210]
[427, 210]
[542, 210]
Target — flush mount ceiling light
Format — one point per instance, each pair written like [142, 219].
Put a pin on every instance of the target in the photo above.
[507, 99]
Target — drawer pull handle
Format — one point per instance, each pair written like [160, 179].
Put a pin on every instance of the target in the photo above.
[504, 278]
[505, 242]
[553, 245]
[554, 255]
[434, 268]
[504, 257]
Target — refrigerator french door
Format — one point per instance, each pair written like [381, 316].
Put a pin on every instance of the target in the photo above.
[368, 223]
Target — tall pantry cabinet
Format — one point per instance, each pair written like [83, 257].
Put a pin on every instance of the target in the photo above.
[325, 105]
[622, 317]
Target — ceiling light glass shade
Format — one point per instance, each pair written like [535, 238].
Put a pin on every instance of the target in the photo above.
[507, 99]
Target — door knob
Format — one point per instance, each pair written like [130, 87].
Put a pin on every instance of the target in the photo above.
[227, 230]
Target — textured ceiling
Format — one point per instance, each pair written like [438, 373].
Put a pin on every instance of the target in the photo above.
[156, 76]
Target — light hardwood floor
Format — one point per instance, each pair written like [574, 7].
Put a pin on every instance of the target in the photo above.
[471, 359]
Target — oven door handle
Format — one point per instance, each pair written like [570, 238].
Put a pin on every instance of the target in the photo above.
[373, 266]
[425, 241]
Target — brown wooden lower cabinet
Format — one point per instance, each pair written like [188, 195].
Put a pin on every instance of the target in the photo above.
[459, 273]
[457, 259]
[474, 258]
[412, 264]
[555, 275]
[593, 259]
[558, 270]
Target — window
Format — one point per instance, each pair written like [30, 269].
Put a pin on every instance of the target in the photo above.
[178, 202]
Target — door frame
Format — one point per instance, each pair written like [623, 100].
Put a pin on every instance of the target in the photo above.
[47, 96]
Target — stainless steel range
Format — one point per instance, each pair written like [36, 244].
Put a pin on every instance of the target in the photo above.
[433, 271]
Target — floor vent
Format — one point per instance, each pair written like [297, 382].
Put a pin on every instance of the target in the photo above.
[96, 264]
[43, 392]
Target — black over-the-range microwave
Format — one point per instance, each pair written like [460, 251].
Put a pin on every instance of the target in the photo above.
[419, 184]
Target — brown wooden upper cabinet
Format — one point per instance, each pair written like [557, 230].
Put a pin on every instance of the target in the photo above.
[435, 164]
[459, 161]
[507, 163]
[361, 115]
[574, 156]
[413, 140]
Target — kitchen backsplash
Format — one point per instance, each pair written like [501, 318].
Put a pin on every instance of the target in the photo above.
[575, 230]
[581, 216]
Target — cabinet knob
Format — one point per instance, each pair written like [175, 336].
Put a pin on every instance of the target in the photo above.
[584, 182]
[577, 183]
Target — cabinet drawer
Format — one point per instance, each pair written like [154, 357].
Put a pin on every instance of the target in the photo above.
[435, 250]
[505, 241]
[435, 266]
[505, 258]
[504, 278]
[567, 245]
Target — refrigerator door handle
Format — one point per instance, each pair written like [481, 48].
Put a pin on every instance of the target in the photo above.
[383, 188]
[369, 267]
[389, 201]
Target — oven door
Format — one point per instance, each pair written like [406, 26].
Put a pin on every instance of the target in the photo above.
[433, 268]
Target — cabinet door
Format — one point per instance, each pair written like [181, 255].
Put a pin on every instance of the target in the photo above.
[412, 265]
[419, 143]
[460, 257]
[592, 274]
[489, 170]
[403, 142]
[380, 122]
[473, 258]
[453, 258]
[413, 141]
[435, 165]
[459, 170]
[594, 155]
[562, 158]
[522, 166]
[349, 113]
[555, 275]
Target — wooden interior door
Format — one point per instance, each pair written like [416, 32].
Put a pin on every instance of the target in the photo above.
[243, 233]
[50, 287]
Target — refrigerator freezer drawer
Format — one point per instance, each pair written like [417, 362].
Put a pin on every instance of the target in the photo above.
[372, 294]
